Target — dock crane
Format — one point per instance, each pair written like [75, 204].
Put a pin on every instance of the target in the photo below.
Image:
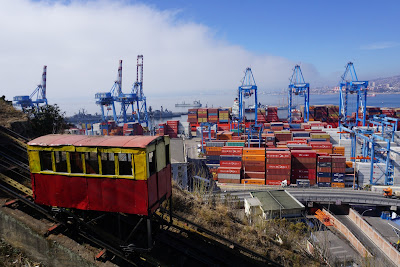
[246, 90]
[126, 101]
[106, 99]
[352, 86]
[36, 98]
[298, 87]
[137, 91]
[360, 128]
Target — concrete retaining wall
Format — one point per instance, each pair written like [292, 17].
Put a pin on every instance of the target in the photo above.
[363, 251]
[26, 233]
[381, 242]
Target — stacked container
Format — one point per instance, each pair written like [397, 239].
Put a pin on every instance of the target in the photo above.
[202, 115]
[320, 113]
[338, 171]
[276, 126]
[162, 129]
[261, 115]
[320, 136]
[311, 114]
[324, 171]
[213, 115]
[272, 114]
[269, 140]
[389, 112]
[283, 136]
[322, 147]
[132, 128]
[230, 165]
[278, 165]
[213, 152]
[339, 150]
[223, 115]
[192, 115]
[304, 165]
[254, 165]
[172, 128]
[333, 115]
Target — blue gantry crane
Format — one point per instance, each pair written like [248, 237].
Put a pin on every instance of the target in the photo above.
[300, 88]
[246, 90]
[37, 98]
[128, 101]
[352, 86]
[375, 144]
[106, 99]
[137, 90]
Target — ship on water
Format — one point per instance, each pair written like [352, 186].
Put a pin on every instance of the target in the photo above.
[195, 104]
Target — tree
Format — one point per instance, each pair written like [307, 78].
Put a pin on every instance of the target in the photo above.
[47, 119]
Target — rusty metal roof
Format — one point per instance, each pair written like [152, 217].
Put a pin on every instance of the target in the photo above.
[97, 141]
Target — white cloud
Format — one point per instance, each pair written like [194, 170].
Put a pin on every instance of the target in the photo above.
[379, 46]
[81, 44]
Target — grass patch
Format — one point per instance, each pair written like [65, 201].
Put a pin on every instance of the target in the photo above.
[279, 239]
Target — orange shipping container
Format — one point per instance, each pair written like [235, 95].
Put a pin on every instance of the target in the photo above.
[254, 181]
[254, 151]
[337, 185]
[253, 158]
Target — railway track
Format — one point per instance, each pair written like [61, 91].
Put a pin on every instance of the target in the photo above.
[177, 242]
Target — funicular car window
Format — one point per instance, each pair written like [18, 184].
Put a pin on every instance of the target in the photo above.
[45, 161]
[91, 163]
[108, 163]
[125, 164]
[75, 159]
[152, 163]
[61, 161]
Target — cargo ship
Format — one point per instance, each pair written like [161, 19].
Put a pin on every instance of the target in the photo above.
[195, 104]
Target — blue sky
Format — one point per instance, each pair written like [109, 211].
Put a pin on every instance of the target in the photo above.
[324, 33]
[190, 48]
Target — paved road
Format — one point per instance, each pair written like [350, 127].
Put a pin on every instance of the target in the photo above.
[337, 249]
[322, 195]
[192, 148]
[375, 250]
[383, 227]
[177, 152]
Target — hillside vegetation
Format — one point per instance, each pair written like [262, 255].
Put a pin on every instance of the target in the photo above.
[280, 240]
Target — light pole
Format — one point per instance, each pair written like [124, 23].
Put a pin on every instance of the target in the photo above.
[365, 212]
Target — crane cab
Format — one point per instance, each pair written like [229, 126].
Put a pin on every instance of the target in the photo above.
[388, 192]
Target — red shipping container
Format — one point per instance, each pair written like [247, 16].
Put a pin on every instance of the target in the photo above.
[275, 182]
[278, 166]
[229, 170]
[255, 175]
[231, 150]
[230, 163]
[278, 154]
[304, 153]
[277, 172]
[304, 171]
[254, 168]
[229, 181]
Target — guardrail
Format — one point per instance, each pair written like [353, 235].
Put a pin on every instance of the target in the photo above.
[375, 237]
[361, 249]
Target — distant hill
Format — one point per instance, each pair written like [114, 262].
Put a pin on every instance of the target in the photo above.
[392, 82]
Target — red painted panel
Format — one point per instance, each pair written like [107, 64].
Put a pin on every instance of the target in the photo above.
[118, 195]
[60, 191]
[152, 189]
[103, 194]
[162, 183]
[169, 182]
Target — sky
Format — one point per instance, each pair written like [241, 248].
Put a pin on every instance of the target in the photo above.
[190, 48]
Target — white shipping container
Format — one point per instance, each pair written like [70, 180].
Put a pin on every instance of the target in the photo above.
[229, 176]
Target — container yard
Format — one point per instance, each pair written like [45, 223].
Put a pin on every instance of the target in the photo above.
[316, 151]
